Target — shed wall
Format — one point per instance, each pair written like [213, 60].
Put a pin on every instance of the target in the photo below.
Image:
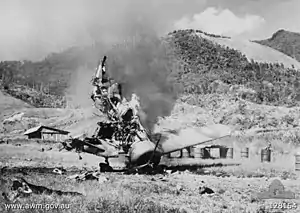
[35, 135]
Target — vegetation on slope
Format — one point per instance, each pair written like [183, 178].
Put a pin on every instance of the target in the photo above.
[30, 83]
[208, 65]
[284, 41]
[203, 67]
[35, 97]
[46, 81]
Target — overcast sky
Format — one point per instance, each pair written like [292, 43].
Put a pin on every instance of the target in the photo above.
[31, 29]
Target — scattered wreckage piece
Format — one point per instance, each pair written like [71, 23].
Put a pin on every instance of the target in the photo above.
[205, 190]
[164, 179]
[21, 188]
[59, 171]
[92, 175]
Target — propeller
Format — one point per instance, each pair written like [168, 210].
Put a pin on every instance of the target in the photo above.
[149, 163]
[156, 146]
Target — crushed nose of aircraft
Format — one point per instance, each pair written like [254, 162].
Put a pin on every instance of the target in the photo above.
[142, 151]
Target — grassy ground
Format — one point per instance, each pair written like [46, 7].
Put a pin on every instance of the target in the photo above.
[141, 193]
[235, 187]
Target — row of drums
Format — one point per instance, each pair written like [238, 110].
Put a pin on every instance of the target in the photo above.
[207, 153]
[213, 153]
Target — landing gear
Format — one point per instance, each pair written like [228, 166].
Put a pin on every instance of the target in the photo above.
[106, 161]
[148, 168]
[142, 169]
[105, 167]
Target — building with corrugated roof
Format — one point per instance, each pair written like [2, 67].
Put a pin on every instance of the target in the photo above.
[46, 133]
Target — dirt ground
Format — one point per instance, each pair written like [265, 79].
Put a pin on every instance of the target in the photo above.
[235, 187]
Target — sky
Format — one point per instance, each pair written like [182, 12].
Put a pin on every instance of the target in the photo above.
[32, 29]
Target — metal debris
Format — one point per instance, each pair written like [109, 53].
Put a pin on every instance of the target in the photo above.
[163, 178]
[122, 132]
[91, 175]
[160, 178]
[122, 128]
[58, 171]
[179, 188]
[205, 190]
[21, 188]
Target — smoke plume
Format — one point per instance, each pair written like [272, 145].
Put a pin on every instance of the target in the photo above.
[36, 28]
[32, 29]
[137, 59]
[142, 67]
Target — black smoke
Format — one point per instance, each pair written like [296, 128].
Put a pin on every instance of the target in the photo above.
[141, 65]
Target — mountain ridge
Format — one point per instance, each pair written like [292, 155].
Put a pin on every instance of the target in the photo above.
[51, 78]
[207, 72]
[284, 41]
[255, 51]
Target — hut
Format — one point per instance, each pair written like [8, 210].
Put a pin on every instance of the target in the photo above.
[46, 133]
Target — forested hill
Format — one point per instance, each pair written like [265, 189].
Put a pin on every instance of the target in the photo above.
[284, 41]
[207, 62]
[202, 64]
[44, 83]
[253, 50]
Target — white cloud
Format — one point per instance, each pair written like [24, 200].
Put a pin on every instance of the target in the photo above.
[32, 29]
[219, 22]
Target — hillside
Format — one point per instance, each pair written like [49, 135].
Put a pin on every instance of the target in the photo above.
[207, 64]
[47, 82]
[284, 41]
[10, 104]
[256, 51]
[17, 116]
[196, 65]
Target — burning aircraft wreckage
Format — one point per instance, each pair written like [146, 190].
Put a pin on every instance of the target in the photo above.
[123, 133]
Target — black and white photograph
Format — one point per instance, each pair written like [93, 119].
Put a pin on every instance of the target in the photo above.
[158, 106]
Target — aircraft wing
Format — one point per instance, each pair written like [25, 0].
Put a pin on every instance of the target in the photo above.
[102, 150]
[98, 147]
[194, 136]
